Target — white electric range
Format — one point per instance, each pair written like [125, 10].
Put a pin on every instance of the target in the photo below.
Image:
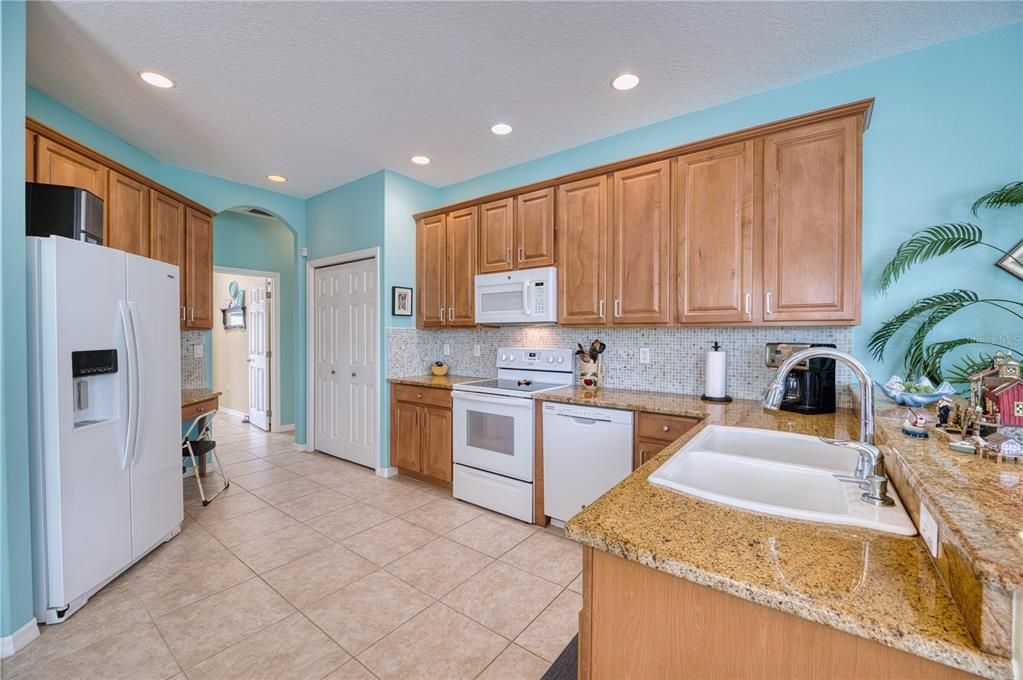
[493, 429]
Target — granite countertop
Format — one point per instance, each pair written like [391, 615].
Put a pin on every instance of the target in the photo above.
[197, 395]
[445, 382]
[878, 586]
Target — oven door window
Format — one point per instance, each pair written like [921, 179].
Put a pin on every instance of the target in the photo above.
[490, 432]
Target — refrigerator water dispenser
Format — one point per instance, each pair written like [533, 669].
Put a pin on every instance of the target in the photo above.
[95, 386]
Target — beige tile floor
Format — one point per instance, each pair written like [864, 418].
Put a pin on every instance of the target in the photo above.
[311, 567]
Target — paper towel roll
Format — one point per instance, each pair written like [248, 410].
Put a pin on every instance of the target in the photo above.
[714, 381]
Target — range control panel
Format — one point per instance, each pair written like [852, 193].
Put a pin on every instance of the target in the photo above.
[526, 357]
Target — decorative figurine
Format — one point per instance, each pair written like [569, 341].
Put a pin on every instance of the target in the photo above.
[997, 392]
[944, 410]
[915, 425]
[1002, 448]
[439, 368]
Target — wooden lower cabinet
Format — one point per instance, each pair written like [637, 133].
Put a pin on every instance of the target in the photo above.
[644, 450]
[421, 433]
[654, 431]
[637, 622]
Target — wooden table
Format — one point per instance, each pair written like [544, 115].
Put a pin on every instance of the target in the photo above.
[194, 403]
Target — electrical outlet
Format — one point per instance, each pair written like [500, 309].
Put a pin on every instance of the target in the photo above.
[644, 355]
[199, 350]
[929, 530]
[447, 349]
[475, 350]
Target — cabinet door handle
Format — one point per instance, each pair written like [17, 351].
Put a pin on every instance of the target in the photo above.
[746, 308]
[664, 428]
[601, 309]
[182, 313]
[522, 255]
[191, 313]
[767, 303]
[507, 254]
[451, 314]
[442, 315]
[618, 307]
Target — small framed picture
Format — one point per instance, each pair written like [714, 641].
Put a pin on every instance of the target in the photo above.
[401, 301]
[1013, 262]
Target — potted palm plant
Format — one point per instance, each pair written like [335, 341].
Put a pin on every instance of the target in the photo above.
[920, 356]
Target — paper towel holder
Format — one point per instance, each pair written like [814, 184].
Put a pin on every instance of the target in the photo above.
[721, 400]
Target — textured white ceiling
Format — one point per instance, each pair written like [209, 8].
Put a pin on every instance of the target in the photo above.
[327, 92]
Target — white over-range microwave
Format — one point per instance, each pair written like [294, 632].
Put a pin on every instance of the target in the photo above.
[523, 296]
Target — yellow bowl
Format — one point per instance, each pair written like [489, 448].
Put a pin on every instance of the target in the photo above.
[439, 370]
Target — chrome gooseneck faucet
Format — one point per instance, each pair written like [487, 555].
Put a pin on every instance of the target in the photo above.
[870, 468]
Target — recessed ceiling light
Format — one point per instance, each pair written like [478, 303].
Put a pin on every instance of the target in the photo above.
[420, 160]
[156, 79]
[501, 128]
[626, 81]
[277, 178]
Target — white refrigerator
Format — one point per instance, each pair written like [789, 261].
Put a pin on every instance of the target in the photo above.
[104, 405]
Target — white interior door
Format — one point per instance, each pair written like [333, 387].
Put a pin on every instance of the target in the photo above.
[346, 364]
[258, 329]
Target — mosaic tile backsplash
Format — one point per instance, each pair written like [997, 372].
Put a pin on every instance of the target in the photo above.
[677, 355]
[193, 368]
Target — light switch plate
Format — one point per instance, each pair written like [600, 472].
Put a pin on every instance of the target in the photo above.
[929, 530]
[447, 349]
[475, 350]
[644, 355]
[198, 350]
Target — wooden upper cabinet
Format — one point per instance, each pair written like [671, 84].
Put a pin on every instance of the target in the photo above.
[461, 267]
[435, 458]
[431, 257]
[30, 156]
[640, 245]
[714, 235]
[582, 225]
[811, 229]
[56, 164]
[127, 215]
[497, 236]
[534, 229]
[167, 236]
[198, 269]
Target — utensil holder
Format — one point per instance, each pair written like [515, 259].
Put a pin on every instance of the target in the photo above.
[590, 373]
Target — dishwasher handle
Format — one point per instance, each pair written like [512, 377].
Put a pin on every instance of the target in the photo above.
[587, 421]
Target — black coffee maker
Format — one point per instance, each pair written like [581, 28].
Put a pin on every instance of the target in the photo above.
[810, 386]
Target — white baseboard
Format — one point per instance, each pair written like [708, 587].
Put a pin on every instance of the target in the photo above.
[232, 412]
[387, 472]
[285, 428]
[19, 639]
[302, 447]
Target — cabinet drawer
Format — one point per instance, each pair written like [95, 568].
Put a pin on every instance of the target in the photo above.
[196, 410]
[434, 396]
[662, 428]
[645, 450]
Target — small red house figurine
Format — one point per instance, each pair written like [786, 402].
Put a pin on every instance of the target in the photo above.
[1007, 402]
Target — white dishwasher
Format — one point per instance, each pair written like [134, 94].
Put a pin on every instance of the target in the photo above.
[586, 451]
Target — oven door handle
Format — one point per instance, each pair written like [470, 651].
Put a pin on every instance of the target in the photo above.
[512, 402]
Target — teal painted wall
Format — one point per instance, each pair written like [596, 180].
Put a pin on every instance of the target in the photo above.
[946, 128]
[262, 244]
[15, 528]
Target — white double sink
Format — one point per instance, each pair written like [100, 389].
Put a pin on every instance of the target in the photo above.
[777, 473]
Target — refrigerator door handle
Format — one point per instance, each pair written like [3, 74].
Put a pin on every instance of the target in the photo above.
[129, 342]
[140, 391]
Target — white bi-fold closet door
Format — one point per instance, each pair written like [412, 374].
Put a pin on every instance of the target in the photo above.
[346, 362]
[259, 311]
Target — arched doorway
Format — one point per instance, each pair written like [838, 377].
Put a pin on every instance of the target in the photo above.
[253, 350]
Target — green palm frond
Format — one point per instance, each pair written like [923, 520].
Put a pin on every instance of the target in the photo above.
[927, 244]
[1009, 195]
[880, 338]
[916, 350]
[966, 366]
[933, 355]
